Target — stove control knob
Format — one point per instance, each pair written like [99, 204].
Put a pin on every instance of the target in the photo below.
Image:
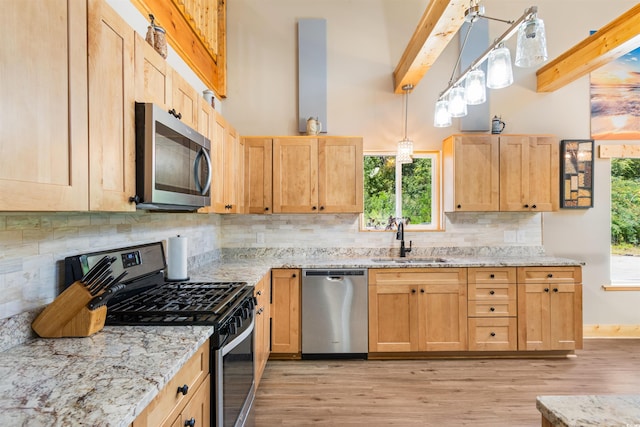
[238, 320]
[231, 328]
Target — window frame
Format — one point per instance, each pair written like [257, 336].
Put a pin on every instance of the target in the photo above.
[437, 213]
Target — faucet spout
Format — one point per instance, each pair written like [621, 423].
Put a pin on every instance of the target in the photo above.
[400, 236]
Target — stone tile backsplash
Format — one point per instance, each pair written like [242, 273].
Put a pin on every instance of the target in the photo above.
[33, 245]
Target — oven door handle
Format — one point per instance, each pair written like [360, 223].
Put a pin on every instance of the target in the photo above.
[202, 153]
[228, 346]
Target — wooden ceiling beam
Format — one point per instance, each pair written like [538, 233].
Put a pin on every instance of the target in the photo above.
[617, 38]
[440, 22]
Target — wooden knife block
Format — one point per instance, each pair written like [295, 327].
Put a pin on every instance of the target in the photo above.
[68, 315]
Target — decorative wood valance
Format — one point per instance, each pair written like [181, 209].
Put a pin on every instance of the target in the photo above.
[196, 30]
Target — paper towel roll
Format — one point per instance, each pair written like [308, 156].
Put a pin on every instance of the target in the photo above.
[177, 262]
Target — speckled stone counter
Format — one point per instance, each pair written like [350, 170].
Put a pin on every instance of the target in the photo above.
[109, 378]
[103, 380]
[595, 410]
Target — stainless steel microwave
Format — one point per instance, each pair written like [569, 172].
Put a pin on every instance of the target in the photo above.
[173, 162]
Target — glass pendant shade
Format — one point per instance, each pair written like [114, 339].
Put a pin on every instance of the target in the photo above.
[475, 91]
[457, 103]
[499, 71]
[405, 151]
[442, 118]
[531, 49]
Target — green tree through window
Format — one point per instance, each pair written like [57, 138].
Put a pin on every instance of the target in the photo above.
[412, 200]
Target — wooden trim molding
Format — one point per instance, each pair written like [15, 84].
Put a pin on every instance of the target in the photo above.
[618, 37]
[629, 151]
[196, 30]
[611, 331]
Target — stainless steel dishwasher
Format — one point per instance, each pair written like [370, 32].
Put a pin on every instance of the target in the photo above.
[334, 313]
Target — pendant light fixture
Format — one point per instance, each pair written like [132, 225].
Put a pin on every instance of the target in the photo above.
[405, 146]
[531, 50]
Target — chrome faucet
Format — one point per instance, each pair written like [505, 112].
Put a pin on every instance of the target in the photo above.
[400, 236]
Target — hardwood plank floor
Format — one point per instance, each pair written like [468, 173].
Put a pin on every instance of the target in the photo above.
[483, 392]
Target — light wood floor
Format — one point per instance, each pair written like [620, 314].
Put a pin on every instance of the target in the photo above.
[485, 392]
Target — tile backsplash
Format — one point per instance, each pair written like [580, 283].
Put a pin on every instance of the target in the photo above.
[33, 245]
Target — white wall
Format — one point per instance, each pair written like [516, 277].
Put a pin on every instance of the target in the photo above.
[365, 41]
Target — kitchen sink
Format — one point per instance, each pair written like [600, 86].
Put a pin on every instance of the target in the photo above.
[410, 260]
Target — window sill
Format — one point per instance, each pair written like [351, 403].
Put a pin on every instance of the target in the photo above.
[622, 287]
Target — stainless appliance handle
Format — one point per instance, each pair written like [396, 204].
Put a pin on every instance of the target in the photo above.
[201, 189]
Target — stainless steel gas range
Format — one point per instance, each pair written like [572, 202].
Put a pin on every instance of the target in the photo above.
[148, 299]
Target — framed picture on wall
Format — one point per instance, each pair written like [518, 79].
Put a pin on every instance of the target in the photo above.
[576, 173]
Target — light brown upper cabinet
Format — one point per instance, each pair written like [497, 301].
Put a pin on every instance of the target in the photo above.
[157, 82]
[258, 159]
[471, 173]
[508, 173]
[529, 173]
[317, 175]
[227, 160]
[111, 110]
[43, 135]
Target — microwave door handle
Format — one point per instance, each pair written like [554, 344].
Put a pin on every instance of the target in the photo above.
[201, 189]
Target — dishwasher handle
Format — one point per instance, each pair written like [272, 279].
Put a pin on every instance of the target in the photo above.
[333, 273]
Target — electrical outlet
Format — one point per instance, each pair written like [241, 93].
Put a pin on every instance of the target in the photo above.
[260, 238]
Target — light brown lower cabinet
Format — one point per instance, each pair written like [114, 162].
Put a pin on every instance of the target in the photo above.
[493, 309]
[285, 311]
[186, 395]
[262, 333]
[549, 308]
[422, 309]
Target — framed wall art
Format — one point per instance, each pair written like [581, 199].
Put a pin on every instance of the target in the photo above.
[576, 173]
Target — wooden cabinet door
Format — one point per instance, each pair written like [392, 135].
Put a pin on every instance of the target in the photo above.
[514, 173]
[153, 80]
[544, 173]
[443, 317]
[233, 171]
[534, 327]
[262, 342]
[43, 113]
[549, 316]
[471, 169]
[565, 311]
[184, 99]
[285, 311]
[258, 157]
[393, 318]
[111, 110]
[199, 407]
[295, 175]
[340, 175]
[528, 173]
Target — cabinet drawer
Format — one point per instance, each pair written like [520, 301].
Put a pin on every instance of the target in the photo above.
[487, 334]
[169, 402]
[492, 308]
[549, 275]
[417, 276]
[492, 275]
[492, 291]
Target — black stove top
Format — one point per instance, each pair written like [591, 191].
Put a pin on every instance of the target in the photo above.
[192, 303]
[147, 299]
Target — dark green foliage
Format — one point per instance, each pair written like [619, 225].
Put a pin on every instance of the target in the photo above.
[379, 190]
[625, 201]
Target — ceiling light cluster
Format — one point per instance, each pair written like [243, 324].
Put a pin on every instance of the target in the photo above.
[470, 86]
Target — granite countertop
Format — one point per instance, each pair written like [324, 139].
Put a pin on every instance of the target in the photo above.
[109, 378]
[590, 410]
[103, 380]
